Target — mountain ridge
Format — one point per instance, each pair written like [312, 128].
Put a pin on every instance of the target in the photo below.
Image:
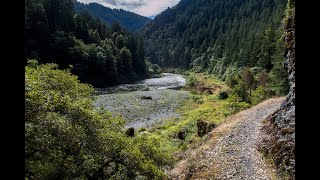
[127, 19]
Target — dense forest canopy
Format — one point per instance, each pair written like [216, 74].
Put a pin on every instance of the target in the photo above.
[218, 36]
[100, 54]
[127, 19]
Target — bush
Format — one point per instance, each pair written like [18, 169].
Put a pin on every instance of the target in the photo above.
[248, 78]
[263, 78]
[156, 69]
[235, 104]
[232, 81]
[191, 80]
[223, 95]
[258, 95]
[67, 138]
[241, 91]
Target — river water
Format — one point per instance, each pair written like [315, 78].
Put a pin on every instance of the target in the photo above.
[168, 81]
[145, 103]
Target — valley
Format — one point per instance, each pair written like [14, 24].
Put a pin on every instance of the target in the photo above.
[203, 90]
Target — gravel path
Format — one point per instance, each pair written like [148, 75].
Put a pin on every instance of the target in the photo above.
[230, 152]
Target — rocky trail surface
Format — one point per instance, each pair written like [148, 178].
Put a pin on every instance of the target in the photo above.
[230, 150]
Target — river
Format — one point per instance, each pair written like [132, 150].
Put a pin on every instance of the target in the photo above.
[145, 103]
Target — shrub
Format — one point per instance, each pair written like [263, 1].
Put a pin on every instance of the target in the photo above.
[67, 138]
[248, 78]
[223, 95]
[241, 91]
[258, 95]
[263, 78]
[156, 68]
[191, 80]
[232, 81]
[235, 104]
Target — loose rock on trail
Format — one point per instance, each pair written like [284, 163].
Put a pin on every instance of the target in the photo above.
[230, 152]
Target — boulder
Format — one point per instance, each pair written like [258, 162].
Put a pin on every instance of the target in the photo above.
[204, 127]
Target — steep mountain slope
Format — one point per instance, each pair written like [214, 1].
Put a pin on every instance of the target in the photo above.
[212, 35]
[281, 124]
[100, 55]
[127, 19]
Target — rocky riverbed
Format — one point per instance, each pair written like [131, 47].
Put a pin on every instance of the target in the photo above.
[145, 103]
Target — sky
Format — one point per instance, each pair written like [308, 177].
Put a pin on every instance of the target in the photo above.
[146, 8]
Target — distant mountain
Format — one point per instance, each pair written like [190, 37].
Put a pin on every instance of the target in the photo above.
[152, 17]
[127, 19]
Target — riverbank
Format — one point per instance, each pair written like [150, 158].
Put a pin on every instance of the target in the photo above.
[144, 108]
[146, 103]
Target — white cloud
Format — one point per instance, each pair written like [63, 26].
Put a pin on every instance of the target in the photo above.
[142, 7]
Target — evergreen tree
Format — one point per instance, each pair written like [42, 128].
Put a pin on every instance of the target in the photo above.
[248, 78]
[54, 33]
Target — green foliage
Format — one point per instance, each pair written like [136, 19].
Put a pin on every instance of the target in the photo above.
[125, 61]
[66, 138]
[197, 99]
[206, 107]
[258, 95]
[191, 80]
[248, 82]
[101, 55]
[120, 41]
[263, 79]
[156, 68]
[248, 78]
[221, 38]
[211, 35]
[278, 74]
[153, 69]
[240, 92]
[236, 103]
[223, 95]
[232, 81]
[94, 36]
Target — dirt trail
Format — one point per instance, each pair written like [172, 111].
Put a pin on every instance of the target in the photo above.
[230, 152]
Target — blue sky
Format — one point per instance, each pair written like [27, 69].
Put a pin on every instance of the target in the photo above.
[143, 7]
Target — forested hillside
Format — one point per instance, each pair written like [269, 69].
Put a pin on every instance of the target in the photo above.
[98, 107]
[100, 54]
[219, 37]
[127, 19]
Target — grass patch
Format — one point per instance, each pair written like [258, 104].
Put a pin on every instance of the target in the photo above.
[200, 106]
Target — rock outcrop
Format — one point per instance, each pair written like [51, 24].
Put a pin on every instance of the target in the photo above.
[280, 146]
